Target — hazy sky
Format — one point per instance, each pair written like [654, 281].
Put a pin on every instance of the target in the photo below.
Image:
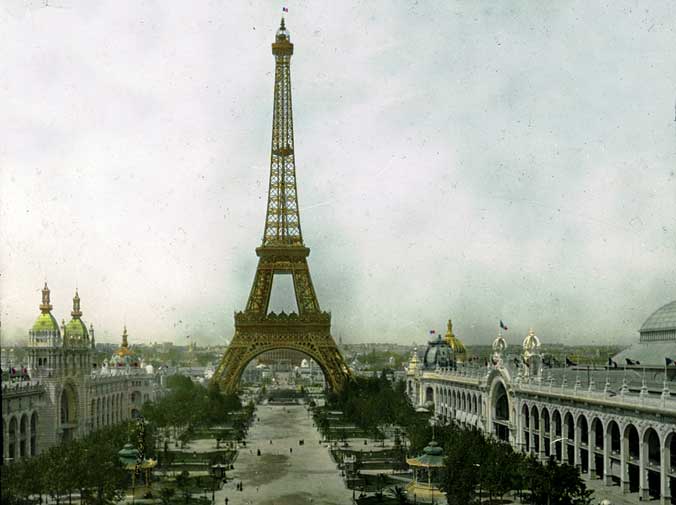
[471, 160]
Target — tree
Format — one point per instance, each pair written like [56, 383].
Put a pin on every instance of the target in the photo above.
[558, 484]
[399, 494]
[183, 483]
[166, 494]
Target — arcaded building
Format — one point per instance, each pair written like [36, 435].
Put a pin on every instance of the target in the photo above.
[615, 423]
[66, 395]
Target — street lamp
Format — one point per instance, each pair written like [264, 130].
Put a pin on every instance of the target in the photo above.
[217, 472]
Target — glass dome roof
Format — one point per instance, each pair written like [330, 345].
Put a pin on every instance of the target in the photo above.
[663, 318]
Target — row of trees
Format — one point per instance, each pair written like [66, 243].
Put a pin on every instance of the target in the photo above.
[373, 402]
[190, 404]
[473, 461]
[89, 467]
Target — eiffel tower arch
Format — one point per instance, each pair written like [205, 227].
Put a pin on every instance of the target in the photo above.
[282, 252]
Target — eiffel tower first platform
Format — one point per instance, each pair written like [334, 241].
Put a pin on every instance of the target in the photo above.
[282, 252]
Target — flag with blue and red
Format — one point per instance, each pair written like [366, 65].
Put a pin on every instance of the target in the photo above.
[503, 325]
[284, 9]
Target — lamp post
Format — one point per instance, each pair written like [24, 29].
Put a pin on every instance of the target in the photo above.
[479, 470]
[217, 472]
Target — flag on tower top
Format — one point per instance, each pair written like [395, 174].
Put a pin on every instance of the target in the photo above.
[284, 9]
[432, 332]
[503, 325]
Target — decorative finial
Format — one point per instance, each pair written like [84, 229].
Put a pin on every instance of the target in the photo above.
[124, 337]
[76, 313]
[282, 26]
[45, 306]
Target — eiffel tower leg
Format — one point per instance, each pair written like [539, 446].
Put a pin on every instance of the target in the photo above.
[259, 297]
[246, 347]
[305, 291]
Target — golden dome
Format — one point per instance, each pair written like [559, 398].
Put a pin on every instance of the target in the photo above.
[454, 342]
[123, 350]
[123, 355]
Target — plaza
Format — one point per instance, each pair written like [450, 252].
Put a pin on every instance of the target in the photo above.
[279, 476]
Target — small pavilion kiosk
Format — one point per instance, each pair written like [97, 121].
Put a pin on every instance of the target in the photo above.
[427, 470]
[129, 457]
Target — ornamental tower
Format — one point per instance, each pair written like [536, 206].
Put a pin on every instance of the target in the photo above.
[44, 341]
[282, 252]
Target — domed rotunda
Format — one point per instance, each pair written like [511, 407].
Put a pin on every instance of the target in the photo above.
[657, 340]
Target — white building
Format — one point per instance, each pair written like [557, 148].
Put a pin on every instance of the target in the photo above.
[615, 424]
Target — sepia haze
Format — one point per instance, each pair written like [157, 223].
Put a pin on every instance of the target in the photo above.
[467, 160]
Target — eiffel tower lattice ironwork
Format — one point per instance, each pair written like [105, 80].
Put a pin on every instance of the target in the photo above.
[282, 252]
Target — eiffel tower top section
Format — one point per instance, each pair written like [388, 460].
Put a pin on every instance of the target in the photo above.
[282, 220]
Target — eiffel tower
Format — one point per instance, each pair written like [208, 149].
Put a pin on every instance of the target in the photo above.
[282, 252]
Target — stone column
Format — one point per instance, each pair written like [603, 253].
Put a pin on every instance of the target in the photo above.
[591, 452]
[624, 467]
[643, 490]
[577, 432]
[665, 464]
[607, 442]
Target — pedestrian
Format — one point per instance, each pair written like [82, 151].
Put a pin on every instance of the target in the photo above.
[226, 500]
[258, 451]
[290, 450]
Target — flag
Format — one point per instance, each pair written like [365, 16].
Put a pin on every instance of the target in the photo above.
[611, 363]
[284, 9]
[569, 362]
[432, 332]
[630, 361]
[668, 361]
[187, 336]
[503, 325]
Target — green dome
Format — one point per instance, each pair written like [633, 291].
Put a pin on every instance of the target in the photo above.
[76, 328]
[46, 322]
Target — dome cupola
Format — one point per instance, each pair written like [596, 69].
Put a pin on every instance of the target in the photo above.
[438, 354]
[46, 322]
[455, 343]
[75, 332]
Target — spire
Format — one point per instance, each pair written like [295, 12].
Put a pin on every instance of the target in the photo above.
[91, 335]
[282, 220]
[45, 306]
[76, 312]
[124, 337]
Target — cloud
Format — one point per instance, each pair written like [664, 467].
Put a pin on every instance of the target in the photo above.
[468, 161]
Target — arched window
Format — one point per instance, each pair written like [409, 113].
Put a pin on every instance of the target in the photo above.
[23, 436]
[12, 438]
[34, 434]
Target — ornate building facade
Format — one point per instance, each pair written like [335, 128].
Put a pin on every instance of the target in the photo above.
[68, 395]
[616, 424]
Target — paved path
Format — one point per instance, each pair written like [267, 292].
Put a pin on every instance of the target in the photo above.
[277, 476]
